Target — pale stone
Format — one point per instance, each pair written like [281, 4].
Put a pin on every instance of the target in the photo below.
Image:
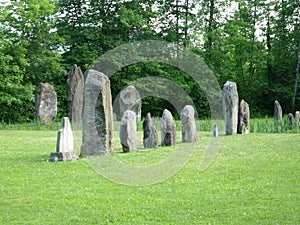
[97, 115]
[277, 115]
[46, 103]
[216, 132]
[150, 139]
[297, 118]
[189, 129]
[244, 118]
[130, 100]
[290, 121]
[230, 107]
[128, 131]
[168, 129]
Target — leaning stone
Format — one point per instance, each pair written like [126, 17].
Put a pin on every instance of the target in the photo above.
[168, 129]
[64, 144]
[216, 132]
[244, 118]
[128, 131]
[130, 100]
[297, 118]
[150, 139]
[290, 121]
[97, 115]
[45, 103]
[230, 107]
[75, 90]
[189, 129]
[277, 115]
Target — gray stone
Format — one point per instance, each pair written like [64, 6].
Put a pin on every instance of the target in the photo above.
[277, 115]
[290, 121]
[168, 129]
[97, 118]
[216, 132]
[128, 131]
[230, 107]
[297, 118]
[130, 100]
[150, 139]
[75, 90]
[189, 129]
[64, 144]
[45, 103]
[244, 118]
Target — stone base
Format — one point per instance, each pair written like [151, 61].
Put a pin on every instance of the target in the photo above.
[63, 156]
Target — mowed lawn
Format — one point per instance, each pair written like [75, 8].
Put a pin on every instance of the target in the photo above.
[255, 179]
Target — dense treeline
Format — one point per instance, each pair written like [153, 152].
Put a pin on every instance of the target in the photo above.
[254, 43]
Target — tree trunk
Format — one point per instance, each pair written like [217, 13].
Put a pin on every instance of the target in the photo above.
[296, 76]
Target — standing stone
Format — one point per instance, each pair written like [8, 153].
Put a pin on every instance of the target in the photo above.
[277, 116]
[75, 90]
[216, 132]
[244, 118]
[97, 115]
[64, 144]
[128, 131]
[45, 103]
[290, 121]
[130, 100]
[230, 107]
[297, 118]
[168, 129]
[150, 138]
[189, 129]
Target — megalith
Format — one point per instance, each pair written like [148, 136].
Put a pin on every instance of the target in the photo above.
[168, 129]
[75, 91]
[128, 131]
[130, 100]
[97, 117]
[150, 139]
[189, 129]
[230, 107]
[64, 144]
[215, 131]
[244, 118]
[45, 103]
[277, 116]
[290, 121]
[297, 118]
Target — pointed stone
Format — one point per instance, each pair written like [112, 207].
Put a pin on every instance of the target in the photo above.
[290, 121]
[168, 129]
[216, 132]
[128, 131]
[277, 115]
[189, 129]
[244, 118]
[150, 139]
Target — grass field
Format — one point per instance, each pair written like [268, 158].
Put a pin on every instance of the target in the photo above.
[255, 179]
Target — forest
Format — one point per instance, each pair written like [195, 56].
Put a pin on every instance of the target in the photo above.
[254, 43]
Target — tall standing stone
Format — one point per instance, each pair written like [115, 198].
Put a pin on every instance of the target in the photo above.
[189, 129]
[230, 107]
[244, 118]
[290, 121]
[277, 115]
[64, 144]
[130, 100]
[215, 131]
[97, 115]
[168, 129]
[75, 90]
[297, 118]
[45, 103]
[150, 139]
[128, 131]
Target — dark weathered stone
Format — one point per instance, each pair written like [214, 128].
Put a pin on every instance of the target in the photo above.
[277, 115]
[189, 129]
[45, 103]
[150, 139]
[244, 118]
[230, 107]
[168, 129]
[97, 115]
[297, 118]
[75, 90]
[290, 120]
[216, 132]
[130, 100]
[128, 131]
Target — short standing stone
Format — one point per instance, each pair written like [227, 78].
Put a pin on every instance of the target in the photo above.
[45, 103]
[168, 129]
[97, 115]
[290, 120]
[244, 118]
[230, 107]
[216, 132]
[150, 139]
[75, 90]
[189, 129]
[277, 115]
[64, 144]
[130, 100]
[128, 131]
[297, 118]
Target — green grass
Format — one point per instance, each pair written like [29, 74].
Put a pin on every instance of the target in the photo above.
[255, 179]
